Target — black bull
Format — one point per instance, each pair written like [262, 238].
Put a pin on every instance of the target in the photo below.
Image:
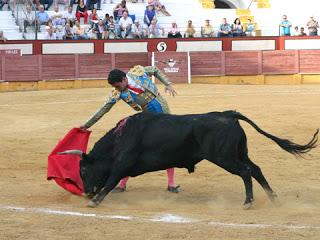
[148, 142]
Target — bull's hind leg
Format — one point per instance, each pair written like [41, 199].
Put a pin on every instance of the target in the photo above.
[258, 175]
[238, 168]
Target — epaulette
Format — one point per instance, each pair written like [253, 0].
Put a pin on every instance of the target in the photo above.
[137, 70]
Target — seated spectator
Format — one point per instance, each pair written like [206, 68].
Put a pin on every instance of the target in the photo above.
[154, 30]
[285, 26]
[57, 17]
[93, 18]
[2, 37]
[106, 19]
[174, 31]
[137, 30]
[296, 31]
[79, 32]
[190, 31]
[29, 18]
[250, 29]
[50, 34]
[2, 3]
[69, 15]
[68, 32]
[125, 24]
[100, 30]
[160, 8]
[82, 12]
[48, 2]
[224, 29]
[149, 14]
[90, 4]
[112, 28]
[119, 9]
[42, 16]
[313, 26]
[207, 29]
[302, 33]
[237, 29]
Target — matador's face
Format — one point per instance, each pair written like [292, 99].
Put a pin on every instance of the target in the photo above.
[120, 86]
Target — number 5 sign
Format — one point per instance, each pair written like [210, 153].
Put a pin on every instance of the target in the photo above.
[162, 47]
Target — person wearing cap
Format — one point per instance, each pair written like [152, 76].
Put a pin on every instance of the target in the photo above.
[313, 26]
[137, 90]
[149, 14]
[207, 29]
[285, 26]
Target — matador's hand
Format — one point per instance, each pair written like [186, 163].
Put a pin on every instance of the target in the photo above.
[171, 90]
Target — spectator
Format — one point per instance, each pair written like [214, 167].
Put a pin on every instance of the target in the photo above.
[2, 3]
[90, 4]
[302, 33]
[29, 19]
[57, 17]
[119, 9]
[48, 2]
[190, 31]
[106, 19]
[285, 26]
[2, 37]
[51, 26]
[250, 29]
[69, 15]
[237, 28]
[174, 31]
[82, 12]
[154, 29]
[125, 24]
[79, 32]
[160, 8]
[137, 30]
[207, 29]
[100, 30]
[313, 26]
[296, 31]
[42, 16]
[68, 32]
[93, 18]
[51, 35]
[112, 28]
[224, 29]
[149, 14]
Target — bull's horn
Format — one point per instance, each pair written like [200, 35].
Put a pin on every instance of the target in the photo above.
[73, 152]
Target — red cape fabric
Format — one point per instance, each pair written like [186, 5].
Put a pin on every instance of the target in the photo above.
[65, 169]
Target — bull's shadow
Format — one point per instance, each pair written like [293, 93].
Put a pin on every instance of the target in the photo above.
[148, 142]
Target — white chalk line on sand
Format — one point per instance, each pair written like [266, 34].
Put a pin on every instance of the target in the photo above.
[213, 94]
[166, 218]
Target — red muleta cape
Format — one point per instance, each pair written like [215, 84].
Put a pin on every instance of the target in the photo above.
[65, 169]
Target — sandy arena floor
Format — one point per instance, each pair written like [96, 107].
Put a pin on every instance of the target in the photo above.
[210, 204]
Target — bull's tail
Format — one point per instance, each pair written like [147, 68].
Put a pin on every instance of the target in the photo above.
[285, 144]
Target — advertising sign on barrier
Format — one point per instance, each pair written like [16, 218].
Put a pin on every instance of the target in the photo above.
[174, 65]
[16, 52]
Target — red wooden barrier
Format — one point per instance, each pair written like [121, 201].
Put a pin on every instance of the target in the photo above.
[242, 63]
[309, 61]
[207, 63]
[280, 62]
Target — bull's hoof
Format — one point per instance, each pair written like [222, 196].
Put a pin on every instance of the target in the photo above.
[247, 204]
[92, 204]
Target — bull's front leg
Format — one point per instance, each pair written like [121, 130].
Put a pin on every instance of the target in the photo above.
[110, 184]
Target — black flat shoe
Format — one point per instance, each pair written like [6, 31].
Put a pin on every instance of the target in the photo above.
[174, 189]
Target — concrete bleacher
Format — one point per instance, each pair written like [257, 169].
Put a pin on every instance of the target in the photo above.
[181, 11]
[8, 26]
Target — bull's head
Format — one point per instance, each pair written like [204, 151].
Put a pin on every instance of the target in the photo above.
[93, 175]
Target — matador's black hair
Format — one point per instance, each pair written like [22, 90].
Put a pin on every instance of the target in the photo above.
[115, 76]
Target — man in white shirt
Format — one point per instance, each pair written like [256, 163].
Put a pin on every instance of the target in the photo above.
[69, 15]
[29, 19]
[125, 24]
[56, 17]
